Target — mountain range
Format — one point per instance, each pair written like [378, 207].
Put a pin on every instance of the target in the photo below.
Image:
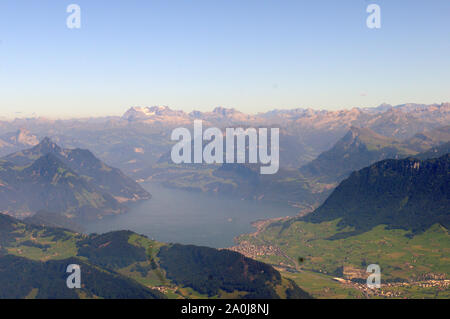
[123, 264]
[385, 213]
[306, 187]
[15, 141]
[361, 147]
[371, 185]
[372, 117]
[135, 141]
[71, 182]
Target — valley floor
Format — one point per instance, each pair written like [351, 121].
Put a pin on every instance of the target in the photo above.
[408, 274]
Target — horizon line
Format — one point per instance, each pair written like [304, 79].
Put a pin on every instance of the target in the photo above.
[6, 118]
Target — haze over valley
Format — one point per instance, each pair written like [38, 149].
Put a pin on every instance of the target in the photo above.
[354, 179]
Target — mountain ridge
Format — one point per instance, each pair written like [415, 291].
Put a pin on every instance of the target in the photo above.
[123, 264]
[360, 147]
[86, 164]
[409, 194]
[73, 183]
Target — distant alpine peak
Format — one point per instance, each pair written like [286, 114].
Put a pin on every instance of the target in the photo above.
[22, 131]
[364, 132]
[24, 137]
[353, 134]
[225, 111]
[149, 112]
[47, 146]
[368, 137]
[384, 106]
[359, 130]
[385, 115]
[46, 141]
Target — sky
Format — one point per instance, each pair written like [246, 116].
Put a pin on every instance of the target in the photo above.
[252, 55]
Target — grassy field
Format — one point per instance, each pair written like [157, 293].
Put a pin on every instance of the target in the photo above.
[41, 245]
[322, 286]
[307, 247]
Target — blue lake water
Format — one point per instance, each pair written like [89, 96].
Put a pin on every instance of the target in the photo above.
[178, 216]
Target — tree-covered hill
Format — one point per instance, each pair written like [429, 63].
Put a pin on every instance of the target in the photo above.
[394, 213]
[123, 264]
[208, 271]
[409, 194]
[24, 278]
[111, 250]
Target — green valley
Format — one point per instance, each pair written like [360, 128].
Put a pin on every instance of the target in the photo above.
[357, 226]
[123, 264]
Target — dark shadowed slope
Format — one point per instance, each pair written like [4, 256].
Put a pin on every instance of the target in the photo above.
[410, 194]
[25, 278]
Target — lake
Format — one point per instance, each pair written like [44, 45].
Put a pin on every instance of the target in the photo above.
[178, 216]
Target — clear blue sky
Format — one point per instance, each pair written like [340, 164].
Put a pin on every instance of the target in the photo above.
[247, 54]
